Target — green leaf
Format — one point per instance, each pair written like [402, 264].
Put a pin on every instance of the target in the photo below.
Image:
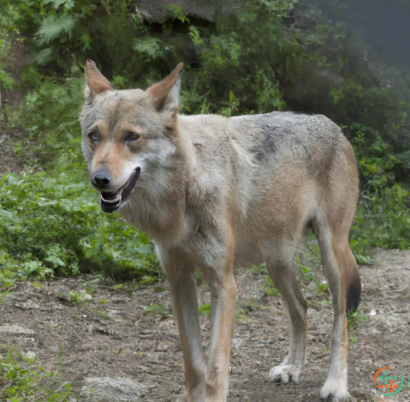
[149, 47]
[53, 27]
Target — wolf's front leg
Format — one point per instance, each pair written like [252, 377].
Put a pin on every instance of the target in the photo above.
[181, 280]
[223, 293]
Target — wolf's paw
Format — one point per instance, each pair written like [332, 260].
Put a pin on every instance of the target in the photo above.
[285, 373]
[335, 391]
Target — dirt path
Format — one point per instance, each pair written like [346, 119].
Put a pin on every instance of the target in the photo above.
[129, 333]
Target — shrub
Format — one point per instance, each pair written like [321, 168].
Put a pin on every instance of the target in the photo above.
[255, 60]
[50, 220]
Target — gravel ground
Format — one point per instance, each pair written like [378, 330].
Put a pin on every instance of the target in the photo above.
[128, 335]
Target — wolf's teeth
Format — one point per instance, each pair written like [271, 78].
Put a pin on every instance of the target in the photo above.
[113, 201]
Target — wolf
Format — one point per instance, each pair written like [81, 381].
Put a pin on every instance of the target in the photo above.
[214, 193]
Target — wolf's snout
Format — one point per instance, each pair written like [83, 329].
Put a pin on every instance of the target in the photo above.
[101, 178]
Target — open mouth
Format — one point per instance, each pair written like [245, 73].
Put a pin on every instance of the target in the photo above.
[111, 201]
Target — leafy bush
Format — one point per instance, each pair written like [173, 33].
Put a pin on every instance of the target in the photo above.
[50, 116]
[50, 220]
[382, 220]
[252, 61]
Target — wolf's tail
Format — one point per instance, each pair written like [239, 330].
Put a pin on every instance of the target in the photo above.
[353, 283]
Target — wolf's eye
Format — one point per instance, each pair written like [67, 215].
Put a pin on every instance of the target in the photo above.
[94, 136]
[130, 137]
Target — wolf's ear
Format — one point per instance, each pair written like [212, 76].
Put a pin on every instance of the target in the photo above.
[96, 82]
[166, 92]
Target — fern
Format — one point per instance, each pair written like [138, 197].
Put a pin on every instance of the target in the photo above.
[44, 56]
[150, 48]
[53, 27]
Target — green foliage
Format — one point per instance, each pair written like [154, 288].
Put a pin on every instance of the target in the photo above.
[25, 380]
[178, 12]
[156, 309]
[204, 309]
[50, 219]
[149, 48]
[270, 287]
[251, 304]
[52, 223]
[54, 27]
[6, 79]
[382, 220]
[356, 317]
[255, 60]
[50, 114]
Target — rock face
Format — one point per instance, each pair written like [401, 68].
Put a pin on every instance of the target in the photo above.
[106, 389]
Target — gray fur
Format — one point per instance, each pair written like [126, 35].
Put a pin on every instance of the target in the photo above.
[218, 192]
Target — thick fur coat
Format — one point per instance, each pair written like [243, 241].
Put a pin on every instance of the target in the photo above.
[216, 192]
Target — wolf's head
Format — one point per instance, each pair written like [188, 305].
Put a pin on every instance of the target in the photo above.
[127, 135]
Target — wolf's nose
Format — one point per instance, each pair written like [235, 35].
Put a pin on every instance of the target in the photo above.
[101, 178]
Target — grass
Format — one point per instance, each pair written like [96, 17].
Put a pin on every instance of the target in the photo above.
[24, 380]
[204, 309]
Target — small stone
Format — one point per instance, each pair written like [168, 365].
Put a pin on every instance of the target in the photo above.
[313, 287]
[8, 300]
[30, 355]
[28, 305]
[106, 389]
[237, 342]
[141, 369]
[15, 330]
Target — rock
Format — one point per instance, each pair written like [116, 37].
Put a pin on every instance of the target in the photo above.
[30, 355]
[237, 342]
[28, 305]
[8, 300]
[106, 389]
[313, 287]
[141, 369]
[15, 330]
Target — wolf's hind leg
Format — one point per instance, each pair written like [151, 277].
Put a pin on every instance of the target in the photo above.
[281, 271]
[338, 262]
